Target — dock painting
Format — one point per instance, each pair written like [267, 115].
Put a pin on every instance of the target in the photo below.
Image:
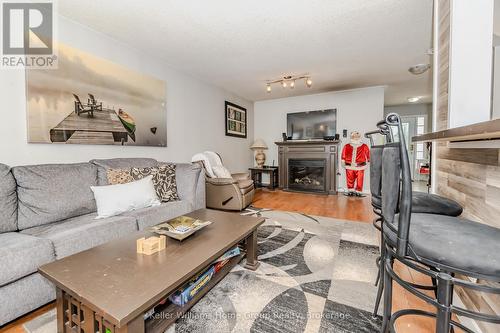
[89, 100]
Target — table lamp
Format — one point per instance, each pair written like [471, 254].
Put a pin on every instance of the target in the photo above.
[259, 146]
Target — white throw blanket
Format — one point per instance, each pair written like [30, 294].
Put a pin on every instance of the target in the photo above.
[210, 160]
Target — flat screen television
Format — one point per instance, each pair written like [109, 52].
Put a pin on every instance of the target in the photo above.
[312, 124]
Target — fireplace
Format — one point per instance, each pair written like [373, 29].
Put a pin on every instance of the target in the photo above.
[307, 175]
[308, 166]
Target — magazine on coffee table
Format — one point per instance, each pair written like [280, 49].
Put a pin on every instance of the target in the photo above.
[180, 227]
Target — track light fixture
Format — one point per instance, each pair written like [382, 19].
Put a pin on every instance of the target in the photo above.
[289, 80]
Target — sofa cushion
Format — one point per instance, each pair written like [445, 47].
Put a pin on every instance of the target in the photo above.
[21, 255]
[53, 192]
[8, 200]
[120, 163]
[148, 217]
[83, 232]
[186, 177]
[23, 296]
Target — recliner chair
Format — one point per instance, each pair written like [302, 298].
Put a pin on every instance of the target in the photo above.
[224, 190]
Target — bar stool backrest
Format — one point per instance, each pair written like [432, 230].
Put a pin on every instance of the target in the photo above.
[377, 147]
[396, 185]
[391, 183]
[376, 175]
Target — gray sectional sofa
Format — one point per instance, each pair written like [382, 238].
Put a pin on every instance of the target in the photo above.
[47, 212]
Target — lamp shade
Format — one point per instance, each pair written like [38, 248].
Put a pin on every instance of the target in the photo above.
[258, 144]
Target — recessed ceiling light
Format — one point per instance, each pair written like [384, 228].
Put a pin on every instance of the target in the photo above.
[419, 69]
[414, 99]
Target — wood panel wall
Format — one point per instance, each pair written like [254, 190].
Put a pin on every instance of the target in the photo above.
[470, 176]
[443, 63]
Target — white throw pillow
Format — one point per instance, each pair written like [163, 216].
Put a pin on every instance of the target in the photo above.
[116, 199]
[221, 172]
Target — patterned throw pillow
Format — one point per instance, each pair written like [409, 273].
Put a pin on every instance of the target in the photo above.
[119, 176]
[163, 180]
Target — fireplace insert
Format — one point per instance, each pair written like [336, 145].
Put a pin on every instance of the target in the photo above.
[307, 175]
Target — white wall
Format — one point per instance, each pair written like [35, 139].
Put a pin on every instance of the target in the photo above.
[471, 41]
[195, 111]
[406, 110]
[358, 109]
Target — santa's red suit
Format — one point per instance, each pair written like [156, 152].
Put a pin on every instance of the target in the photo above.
[355, 158]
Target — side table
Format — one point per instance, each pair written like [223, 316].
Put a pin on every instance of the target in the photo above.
[256, 174]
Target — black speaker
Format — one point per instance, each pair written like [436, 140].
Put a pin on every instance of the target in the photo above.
[284, 136]
[344, 133]
[337, 137]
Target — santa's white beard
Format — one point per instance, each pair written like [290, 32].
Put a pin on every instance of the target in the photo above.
[356, 142]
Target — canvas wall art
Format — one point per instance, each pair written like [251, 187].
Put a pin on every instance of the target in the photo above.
[90, 100]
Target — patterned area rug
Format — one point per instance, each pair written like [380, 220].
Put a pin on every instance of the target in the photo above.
[316, 275]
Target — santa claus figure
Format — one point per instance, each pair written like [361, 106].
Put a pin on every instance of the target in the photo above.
[355, 159]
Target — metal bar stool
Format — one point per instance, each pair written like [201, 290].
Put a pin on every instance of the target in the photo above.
[421, 202]
[451, 245]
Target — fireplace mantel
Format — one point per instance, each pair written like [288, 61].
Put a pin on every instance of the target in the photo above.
[309, 150]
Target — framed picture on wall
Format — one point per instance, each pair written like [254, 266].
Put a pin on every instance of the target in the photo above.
[236, 120]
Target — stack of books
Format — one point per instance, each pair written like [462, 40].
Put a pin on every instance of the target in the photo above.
[186, 293]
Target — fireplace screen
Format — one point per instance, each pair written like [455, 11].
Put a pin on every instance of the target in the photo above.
[307, 174]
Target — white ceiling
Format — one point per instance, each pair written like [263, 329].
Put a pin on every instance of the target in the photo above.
[239, 44]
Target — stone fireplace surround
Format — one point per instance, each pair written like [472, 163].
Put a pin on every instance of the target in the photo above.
[313, 150]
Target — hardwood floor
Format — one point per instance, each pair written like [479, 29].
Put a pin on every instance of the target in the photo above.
[336, 206]
[17, 326]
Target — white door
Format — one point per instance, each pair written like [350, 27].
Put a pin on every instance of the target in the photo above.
[417, 153]
[409, 131]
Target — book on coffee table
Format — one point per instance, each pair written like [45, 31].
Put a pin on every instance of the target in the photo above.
[180, 227]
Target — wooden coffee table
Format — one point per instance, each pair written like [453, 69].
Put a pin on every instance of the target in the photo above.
[111, 287]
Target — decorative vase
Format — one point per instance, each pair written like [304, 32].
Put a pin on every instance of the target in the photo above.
[260, 158]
